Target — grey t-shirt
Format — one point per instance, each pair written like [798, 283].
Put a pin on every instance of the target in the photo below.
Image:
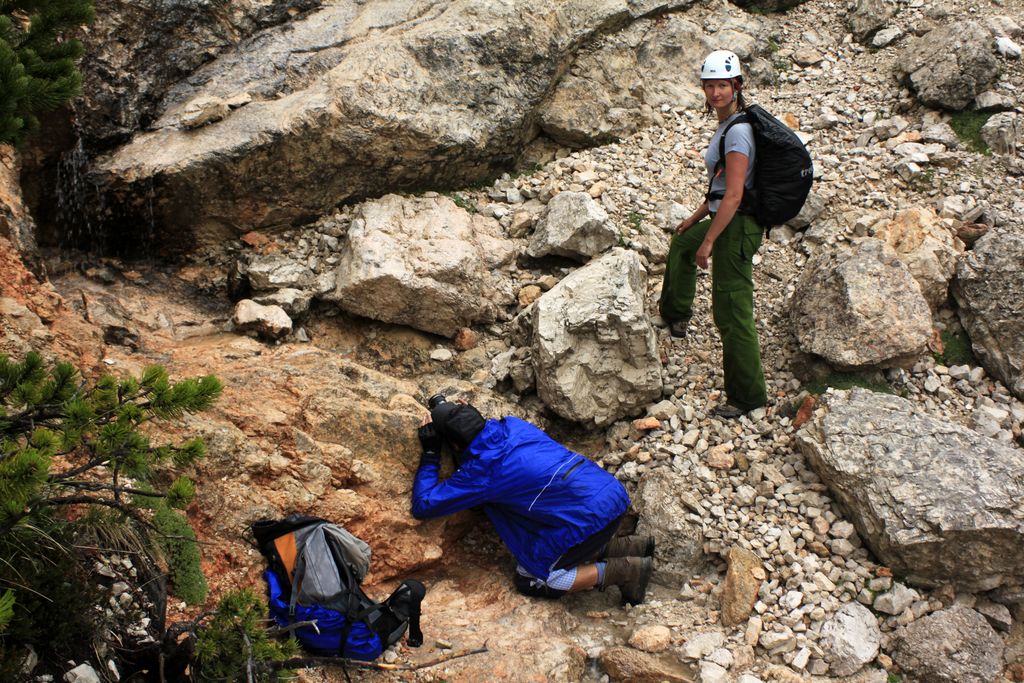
[740, 139]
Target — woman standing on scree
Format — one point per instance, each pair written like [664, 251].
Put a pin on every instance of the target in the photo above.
[730, 237]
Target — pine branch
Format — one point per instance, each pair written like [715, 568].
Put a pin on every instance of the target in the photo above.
[99, 486]
[13, 520]
[306, 662]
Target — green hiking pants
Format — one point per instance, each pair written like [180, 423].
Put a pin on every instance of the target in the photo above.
[732, 301]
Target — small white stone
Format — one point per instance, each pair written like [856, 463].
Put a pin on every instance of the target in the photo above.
[1007, 47]
[441, 355]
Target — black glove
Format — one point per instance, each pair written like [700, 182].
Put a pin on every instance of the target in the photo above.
[431, 442]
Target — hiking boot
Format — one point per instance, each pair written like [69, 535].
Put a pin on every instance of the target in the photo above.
[630, 546]
[728, 411]
[631, 575]
[679, 328]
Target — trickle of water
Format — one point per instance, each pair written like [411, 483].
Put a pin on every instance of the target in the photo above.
[79, 203]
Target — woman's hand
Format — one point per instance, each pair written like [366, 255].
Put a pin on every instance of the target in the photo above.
[683, 226]
[704, 253]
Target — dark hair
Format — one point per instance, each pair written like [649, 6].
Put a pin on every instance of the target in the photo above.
[741, 103]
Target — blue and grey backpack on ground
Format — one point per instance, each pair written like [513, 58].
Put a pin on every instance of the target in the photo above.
[315, 573]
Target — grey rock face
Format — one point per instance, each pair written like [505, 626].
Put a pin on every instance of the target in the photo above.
[594, 350]
[422, 262]
[950, 65]
[573, 225]
[850, 639]
[136, 50]
[987, 288]
[935, 501]
[679, 553]
[350, 101]
[619, 85]
[868, 17]
[860, 307]
[955, 645]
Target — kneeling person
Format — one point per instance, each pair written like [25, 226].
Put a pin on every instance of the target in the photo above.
[555, 510]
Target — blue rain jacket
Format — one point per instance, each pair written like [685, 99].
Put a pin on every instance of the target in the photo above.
[541, 497]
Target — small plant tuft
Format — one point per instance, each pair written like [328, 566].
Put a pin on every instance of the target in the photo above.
[968, 125]
[956, 349]
[461, 202]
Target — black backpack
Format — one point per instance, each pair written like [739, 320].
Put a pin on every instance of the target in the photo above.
[783, 171]
[314, 578]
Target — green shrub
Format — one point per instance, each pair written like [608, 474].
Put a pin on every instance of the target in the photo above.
[178, 541]
[236, 635]
[956, 349]
[967, 125]
[67, 449]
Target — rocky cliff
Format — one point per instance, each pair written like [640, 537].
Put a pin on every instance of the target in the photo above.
[314, 162]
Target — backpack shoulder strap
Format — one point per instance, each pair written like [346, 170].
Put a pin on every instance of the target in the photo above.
[742, 118]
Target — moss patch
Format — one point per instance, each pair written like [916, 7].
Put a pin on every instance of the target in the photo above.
[967, 125]
[956, 349]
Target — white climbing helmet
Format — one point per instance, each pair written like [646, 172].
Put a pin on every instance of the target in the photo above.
[720, 64]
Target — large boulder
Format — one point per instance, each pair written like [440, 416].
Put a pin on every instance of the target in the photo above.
[950, 65]
[955, 645]
[679, 549]
[349, 101]
[595, 352]
[868, 17]
[573, 225]
[988, 286]
[423, 262]
[929, 249]
[619, 83]
[935, 501]
[860, 307]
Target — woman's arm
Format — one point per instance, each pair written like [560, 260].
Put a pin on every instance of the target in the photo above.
[695, 218]
[735, 176]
